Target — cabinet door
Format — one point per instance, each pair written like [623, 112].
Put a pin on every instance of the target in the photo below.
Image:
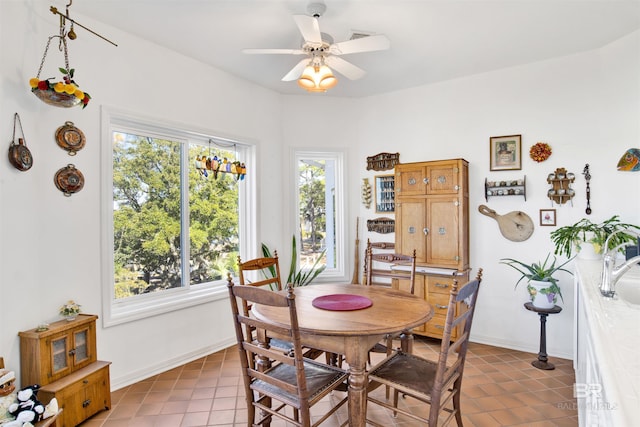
[443, 177]
[410, 180]
[410, 227]
[83, 346]
[59, 348]
[443, 231]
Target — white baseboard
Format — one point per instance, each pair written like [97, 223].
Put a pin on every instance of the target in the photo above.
[134, 377]
[528, 347]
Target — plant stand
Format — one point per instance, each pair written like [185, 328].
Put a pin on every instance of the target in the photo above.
[542, 362]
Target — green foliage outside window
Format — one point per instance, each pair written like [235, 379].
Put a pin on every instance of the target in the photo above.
[147, 214]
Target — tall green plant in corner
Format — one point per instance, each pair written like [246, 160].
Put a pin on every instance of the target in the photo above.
[297, 277]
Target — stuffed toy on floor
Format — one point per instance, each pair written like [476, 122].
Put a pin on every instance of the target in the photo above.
[28, 410]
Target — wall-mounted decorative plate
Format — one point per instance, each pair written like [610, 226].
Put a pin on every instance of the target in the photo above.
[70, 138]
[69, 180]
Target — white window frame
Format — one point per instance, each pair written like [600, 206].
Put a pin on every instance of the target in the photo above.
[116, 312]
[339, 273]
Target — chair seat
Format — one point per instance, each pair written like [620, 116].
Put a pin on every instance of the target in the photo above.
[405, 370]
[319, 377]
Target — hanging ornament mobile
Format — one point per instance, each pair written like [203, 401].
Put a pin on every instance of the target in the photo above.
[65, 93]
[216, 165]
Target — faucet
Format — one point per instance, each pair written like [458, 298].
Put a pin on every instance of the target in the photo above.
[610, 273]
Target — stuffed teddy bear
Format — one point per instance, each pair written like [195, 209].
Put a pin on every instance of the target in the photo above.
[28, 409]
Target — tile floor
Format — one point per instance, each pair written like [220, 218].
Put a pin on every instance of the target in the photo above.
[500, 388]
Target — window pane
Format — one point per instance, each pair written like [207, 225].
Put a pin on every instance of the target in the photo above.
[316, 196]
[213, 215]
[146, 214]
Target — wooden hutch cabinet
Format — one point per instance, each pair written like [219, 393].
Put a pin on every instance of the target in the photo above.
[63, 361]
[432, 218]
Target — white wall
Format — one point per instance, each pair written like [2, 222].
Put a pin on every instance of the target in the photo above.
[50, 244]
[586, 106]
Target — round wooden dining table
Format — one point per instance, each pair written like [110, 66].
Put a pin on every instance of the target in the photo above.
[351, 332]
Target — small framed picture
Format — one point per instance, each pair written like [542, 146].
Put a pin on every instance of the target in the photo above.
[505, 152]
[548, 217]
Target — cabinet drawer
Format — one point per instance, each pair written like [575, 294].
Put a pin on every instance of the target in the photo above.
[435, 327]
[440, 285]
[81, 394]
[440, 303]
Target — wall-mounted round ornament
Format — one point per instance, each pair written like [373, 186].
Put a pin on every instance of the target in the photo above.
[540, 151]
[70, 138]
[69, 180]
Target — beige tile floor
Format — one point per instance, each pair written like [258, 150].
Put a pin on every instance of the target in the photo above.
[500, 388]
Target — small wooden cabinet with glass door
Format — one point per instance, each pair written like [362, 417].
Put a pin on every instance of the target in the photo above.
[62, 360]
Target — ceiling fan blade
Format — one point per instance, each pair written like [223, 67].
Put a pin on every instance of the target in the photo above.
[309, 28]
[363, 44]
[275, 51]
[345, 68]
[296, 71]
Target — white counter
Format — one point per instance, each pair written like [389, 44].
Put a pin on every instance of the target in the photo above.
[607, 355]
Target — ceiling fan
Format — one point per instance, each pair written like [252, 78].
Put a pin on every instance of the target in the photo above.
[313, 72]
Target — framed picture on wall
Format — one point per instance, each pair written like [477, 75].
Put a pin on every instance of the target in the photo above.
[548, 217]
[505, 152]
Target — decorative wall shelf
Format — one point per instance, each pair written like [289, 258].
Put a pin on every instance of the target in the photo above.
[515, 187]
[383, 161]
[561, 191]
[381, 225]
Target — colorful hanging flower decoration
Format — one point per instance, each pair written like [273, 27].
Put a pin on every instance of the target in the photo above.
[66, 88]
[540, 151]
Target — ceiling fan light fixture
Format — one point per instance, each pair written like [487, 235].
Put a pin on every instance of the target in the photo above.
[317, 78]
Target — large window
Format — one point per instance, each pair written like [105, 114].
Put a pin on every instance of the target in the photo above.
[320, 211]
[177, 219]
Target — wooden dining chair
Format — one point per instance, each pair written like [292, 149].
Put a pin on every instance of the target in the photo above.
[267, 270]
[437, 383]
[276, 378]
[377, 276]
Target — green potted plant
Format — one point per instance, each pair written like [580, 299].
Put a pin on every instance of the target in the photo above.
[573, 237]
[297, 277]
[542, 286]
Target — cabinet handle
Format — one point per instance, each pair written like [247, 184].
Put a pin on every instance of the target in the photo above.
[85, 381]
[425, 180]
[440, 306]
[72, 352]
[411, 181]
[442, 179]
[456, 187]
[425, 231]
[86, 403]
[411, 230]
[442, 285]
[439, 327]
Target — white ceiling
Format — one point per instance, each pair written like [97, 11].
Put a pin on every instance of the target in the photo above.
[431, 41]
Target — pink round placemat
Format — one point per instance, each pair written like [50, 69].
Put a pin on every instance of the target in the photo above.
[342, 302]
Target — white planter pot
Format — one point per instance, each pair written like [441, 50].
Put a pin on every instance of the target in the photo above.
[588, 250]
[540, 294]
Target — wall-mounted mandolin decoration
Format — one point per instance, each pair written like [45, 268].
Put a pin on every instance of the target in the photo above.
[630, 160]
[383, 161]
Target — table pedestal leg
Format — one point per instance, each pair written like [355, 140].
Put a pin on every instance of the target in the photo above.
[542, 362]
